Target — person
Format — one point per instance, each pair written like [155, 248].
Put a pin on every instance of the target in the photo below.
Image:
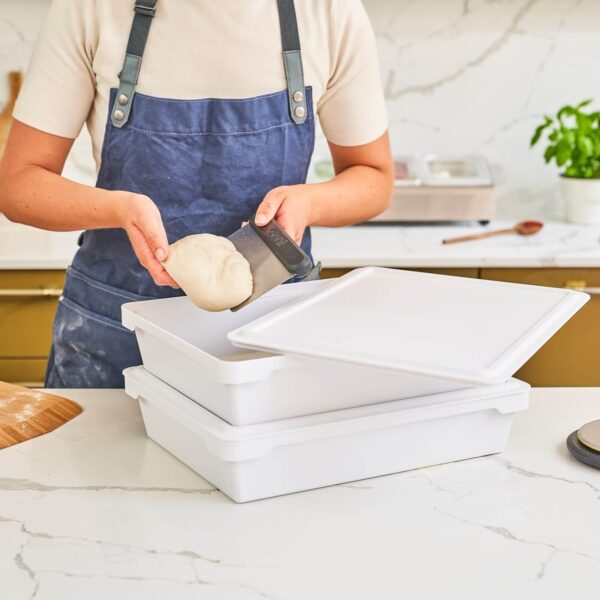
[211, 119]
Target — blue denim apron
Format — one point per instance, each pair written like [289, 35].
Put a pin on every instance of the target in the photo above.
[207, 164]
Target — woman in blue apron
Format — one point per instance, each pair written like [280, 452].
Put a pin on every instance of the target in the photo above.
[191, 166]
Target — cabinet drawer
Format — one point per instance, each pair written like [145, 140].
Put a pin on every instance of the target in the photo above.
[25, 371]
[28, 302]
[572, 356]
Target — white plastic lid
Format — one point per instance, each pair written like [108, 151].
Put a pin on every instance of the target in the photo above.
[471, 330]
[452, 172]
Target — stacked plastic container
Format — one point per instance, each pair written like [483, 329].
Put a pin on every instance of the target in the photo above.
[325, 382]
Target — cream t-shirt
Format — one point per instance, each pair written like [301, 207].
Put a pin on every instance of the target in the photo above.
[203, 49]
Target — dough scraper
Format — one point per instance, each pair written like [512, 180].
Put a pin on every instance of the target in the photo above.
[273, 256]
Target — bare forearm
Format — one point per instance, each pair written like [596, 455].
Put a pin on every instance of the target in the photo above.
[33, 192]
[355, 195]
[35, 196]
[361, 189]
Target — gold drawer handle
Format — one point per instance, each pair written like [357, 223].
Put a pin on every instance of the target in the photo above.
[581, 286]
[32, 293]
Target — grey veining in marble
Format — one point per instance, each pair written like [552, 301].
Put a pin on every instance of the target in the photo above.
[96, 510]
[476, 76]
[460, 76]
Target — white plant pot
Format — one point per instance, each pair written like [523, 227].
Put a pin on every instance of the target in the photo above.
[582, 200]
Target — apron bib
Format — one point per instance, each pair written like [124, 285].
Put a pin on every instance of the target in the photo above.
[207, 164]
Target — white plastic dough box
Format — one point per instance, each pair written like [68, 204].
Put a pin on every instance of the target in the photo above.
[373, 335]
[292, 455]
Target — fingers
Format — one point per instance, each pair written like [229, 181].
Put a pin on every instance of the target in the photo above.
[149, 240]
[146, 256]
[268, 208]
[149, 222]
[284, 205]
[293, 229]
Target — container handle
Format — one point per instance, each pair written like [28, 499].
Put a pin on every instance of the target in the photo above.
[580, 285]
[31, 293]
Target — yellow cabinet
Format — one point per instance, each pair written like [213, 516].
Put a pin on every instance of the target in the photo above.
[28, 302]
[25, 371]
[572, 356]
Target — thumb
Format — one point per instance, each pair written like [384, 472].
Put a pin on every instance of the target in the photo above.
[269, 206]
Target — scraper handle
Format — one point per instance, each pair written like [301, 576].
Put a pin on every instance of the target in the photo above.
[289, 254]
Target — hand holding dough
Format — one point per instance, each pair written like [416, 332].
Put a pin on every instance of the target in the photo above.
[210, 270]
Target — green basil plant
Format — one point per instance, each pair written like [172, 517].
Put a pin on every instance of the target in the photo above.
[573, 141]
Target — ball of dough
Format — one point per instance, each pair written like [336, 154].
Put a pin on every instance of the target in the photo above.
[210, 270]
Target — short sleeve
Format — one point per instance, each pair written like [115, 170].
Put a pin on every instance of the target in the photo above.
[352, 110]
[59, 87]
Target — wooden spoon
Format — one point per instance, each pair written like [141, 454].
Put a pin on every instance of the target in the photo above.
[522, 228]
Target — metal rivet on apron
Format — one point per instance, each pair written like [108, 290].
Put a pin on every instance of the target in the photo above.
[119, 115]
[298, 96]
[123, 99]
[299, 111]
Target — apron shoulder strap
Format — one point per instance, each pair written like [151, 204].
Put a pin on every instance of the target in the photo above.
[292, 60]
[144, 11]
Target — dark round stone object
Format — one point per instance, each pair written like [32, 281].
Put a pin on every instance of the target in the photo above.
[583, 453]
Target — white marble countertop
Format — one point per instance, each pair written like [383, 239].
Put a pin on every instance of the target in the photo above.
[95, 510]
[557, 245]
[23, 247]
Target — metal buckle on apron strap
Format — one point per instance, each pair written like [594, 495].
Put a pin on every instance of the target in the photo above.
[144, 11]
[292, 61]
[149, 11]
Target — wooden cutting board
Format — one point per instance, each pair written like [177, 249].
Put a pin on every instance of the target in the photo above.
[25, 413]
[15, 80]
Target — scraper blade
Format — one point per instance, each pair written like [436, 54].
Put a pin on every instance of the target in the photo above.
[273, 256]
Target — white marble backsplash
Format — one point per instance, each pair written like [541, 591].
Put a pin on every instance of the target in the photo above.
[461, 76]
[465, 76]
[20, 21]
